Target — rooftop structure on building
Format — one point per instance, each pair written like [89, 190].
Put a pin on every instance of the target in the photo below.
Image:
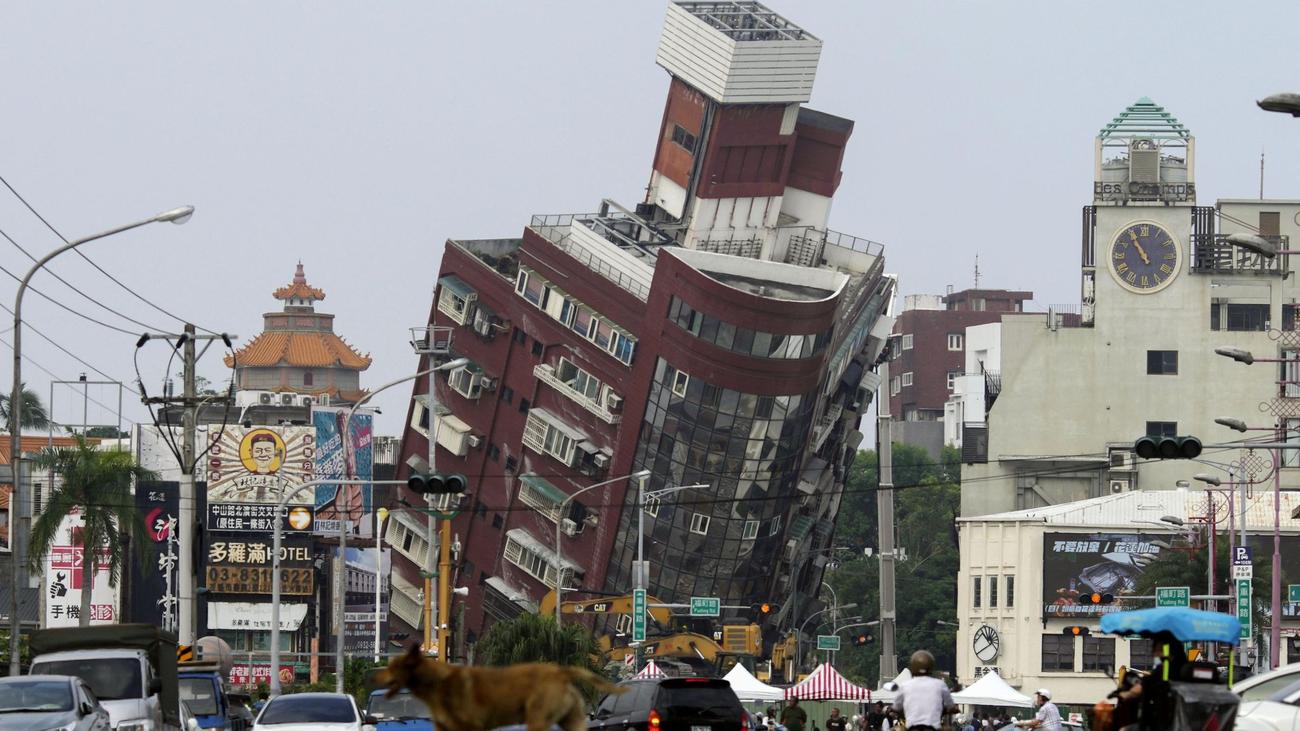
[296, 361]
[717, 333]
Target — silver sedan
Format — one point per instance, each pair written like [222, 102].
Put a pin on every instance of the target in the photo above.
[50, 702]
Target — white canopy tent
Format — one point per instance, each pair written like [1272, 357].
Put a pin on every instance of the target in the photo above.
[992, 690]
[651, 670]
[750, 689]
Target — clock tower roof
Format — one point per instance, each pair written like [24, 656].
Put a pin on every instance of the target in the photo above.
[1145, 118]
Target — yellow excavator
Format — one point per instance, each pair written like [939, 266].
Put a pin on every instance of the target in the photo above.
[741, 643]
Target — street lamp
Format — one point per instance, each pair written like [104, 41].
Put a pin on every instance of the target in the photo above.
[1231, 423]
[1284, 103]
[1207, 479]
[1237, 354]
[17, 503]
[639, 574]
[640, 475]
[341, 506]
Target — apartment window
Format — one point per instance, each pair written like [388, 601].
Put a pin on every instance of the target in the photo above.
[524, 405]
[532, 288]
[993, 592]
[307, 378]
[582, 319]
[466, 381]
[700, 524]
[652, 506]
[537, 348]
[1238, 318]
[907, 341]
[1140, 653]
[507, 394]
[622, 347]
[680, 382]
[684, 139]
[1162, 362]
[545, 436]
[1162, 428]
[975, 592]
[1098, 653]
[541, 496]
[1058, 653]
[776, 526]
[907, 379]
[512, 464]
[979, 304]
[497, 521]
[520, 336]
[455, 299]
[494, 453]
[579, 381]
[750, 531]
[894, 386]
[1011, 590]
[532, 562]
[954, 341]
[952, 380]
[1270, 223]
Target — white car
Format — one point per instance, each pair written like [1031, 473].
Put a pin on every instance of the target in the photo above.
[1278, 712]
[1259, 687]
[312, 711]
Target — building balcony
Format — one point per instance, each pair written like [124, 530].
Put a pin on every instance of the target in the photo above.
[1212, 254]
[546, 374]
[827, 424]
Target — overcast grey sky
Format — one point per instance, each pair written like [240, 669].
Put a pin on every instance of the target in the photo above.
[357, 137]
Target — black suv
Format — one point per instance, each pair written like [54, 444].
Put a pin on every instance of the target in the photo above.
[671, 704]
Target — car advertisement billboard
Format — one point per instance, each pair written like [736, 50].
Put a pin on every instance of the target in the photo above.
[1078, 564]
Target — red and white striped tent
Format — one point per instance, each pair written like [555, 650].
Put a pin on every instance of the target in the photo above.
[651, 670]
[826, 684]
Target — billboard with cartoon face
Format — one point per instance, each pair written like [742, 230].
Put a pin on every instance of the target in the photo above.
[256, 465]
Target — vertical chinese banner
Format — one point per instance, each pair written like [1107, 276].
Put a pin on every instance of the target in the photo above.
[153, 595]
[333, 462]
[64, 581]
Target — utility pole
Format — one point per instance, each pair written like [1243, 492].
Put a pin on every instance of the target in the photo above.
[431, 521]
[187, 572]
[885, 508]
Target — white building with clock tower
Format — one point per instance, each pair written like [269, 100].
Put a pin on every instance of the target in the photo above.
[1161, 289]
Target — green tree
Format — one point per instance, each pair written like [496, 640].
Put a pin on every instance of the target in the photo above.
[534, 638]
[34, 414]
[97, 485]
[106, 432]
[927, 502]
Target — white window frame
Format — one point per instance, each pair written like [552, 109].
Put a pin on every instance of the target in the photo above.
[750, 531]
[466, 383]
[543, 437]
[535, 500]
[700, 524]
[907, 379]
[622, 347]
[652, 505]
[952, 380]
[623, 625]
[955, 341]
[776, 526]
[521, 288]
[680, 381]
[454, 306]
[581, 375]
[532, 563]
[907, 341]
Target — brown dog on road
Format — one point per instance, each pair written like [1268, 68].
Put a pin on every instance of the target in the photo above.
[539, 695]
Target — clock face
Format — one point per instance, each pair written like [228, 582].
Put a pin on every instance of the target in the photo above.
[1144, 257]
[986, 644]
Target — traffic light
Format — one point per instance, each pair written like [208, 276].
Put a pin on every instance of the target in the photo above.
[861, 640]
[1075, 630]
[763, 609]
[437, 483]
[1150, 447]
[1097, 598]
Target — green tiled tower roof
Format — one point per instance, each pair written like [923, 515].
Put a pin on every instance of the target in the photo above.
[1145, 118]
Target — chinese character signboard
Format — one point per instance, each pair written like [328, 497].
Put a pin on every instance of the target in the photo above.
[243, 675]
[252, 616]
[6, 516]
[1075, 564]
[154, 589]
[333, 462]
[258, 464]
[241, 564]
[64, 580]
[258, 518]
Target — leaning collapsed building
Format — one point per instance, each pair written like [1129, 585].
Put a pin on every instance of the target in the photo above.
[716, 334]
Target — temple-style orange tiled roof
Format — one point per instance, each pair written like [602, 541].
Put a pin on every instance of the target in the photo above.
[299, 288]
[301, 349]
[34, 444]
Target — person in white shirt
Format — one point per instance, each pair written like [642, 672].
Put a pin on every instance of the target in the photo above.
[925, 699]
[1048, 717]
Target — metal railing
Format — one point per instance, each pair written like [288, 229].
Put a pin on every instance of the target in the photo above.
[1212, 254]
[557, 230]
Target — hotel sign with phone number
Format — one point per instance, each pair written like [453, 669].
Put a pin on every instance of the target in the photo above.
[253, 580]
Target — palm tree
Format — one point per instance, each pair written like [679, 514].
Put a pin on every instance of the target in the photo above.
[95, 484]
[535, 638]
[33, 411]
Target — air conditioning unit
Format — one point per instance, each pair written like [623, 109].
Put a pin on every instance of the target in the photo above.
[286, 399]
[592, 520]
[264, 399]
[601, 460]
[473, 440]
[1122, 460]
[615, 402]
[1118, 486]
[306, 401]
[568, 527]
[324, 399]
[487, 384]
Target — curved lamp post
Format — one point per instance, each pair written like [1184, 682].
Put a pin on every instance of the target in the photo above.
[559, 557]
[16, 547]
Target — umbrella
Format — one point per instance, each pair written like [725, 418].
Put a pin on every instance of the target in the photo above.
[1188, 625]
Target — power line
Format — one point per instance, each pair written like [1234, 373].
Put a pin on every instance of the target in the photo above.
[82, 315]
[115, 280]
[69, 353]
[69, 285]
[56, 376]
